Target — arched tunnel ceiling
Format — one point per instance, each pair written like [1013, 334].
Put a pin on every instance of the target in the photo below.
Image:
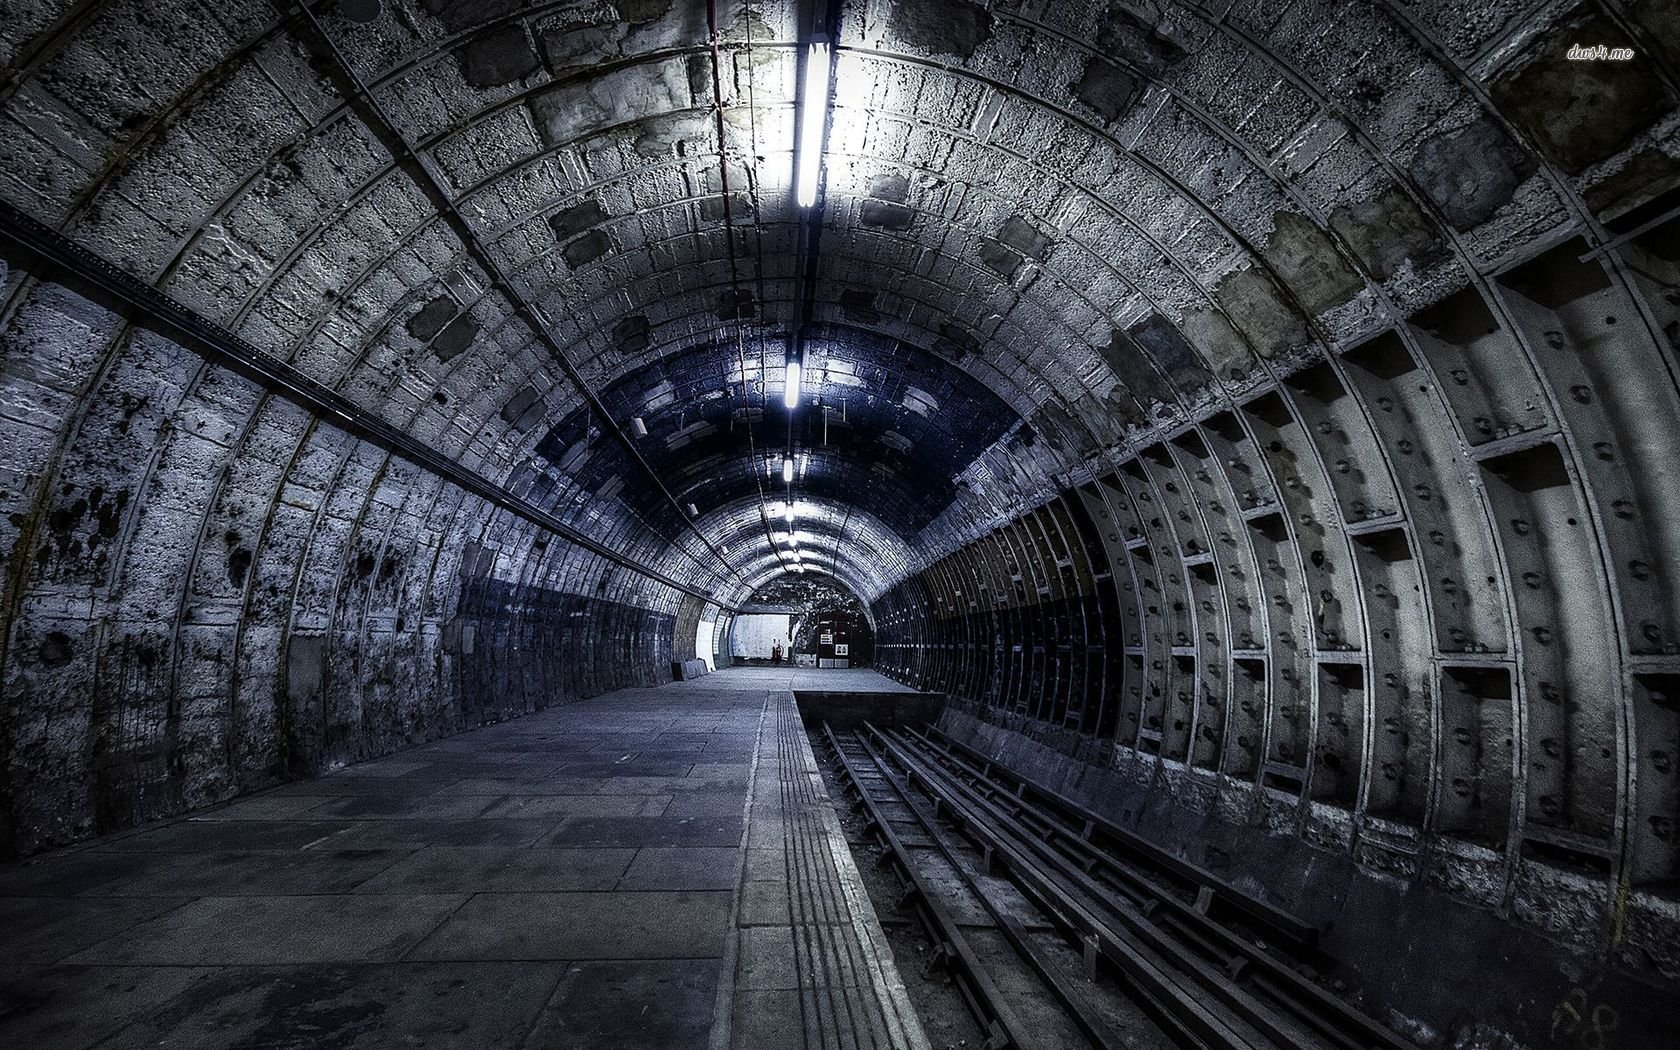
[884, 430]
[1276, 316]
[1111, 215]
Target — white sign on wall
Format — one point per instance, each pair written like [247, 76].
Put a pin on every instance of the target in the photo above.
[842, 649]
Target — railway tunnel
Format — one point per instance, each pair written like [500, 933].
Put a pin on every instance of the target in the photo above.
[1252, 429]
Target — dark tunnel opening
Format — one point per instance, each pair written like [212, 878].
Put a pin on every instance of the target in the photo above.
[1253, 428]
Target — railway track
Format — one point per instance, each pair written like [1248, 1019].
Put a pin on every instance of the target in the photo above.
[1061, 929]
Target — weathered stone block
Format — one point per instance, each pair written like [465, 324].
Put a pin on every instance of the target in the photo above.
[947, 27]
[1580, 112]
[1470, 173]
[1106, 88]
[499, 57]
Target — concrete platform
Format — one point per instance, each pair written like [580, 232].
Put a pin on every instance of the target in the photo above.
[654, 868]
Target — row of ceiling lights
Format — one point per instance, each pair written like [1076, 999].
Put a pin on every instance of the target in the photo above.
[817, 73]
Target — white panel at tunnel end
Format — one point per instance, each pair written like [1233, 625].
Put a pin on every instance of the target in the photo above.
[755, 634]
[703, 642]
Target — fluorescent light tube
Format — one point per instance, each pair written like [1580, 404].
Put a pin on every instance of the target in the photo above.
[790, 396]
[813, 115]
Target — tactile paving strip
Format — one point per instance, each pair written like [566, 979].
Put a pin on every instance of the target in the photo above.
[844, 990]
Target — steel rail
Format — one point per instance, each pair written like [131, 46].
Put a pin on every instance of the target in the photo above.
[1078, 1009]
[1174, 1004]
[222, 347]
[1194, 976]
[1003, 1028]
[1326, 1012]
[1078, 840]
[1297, 933]
[1304, 1003]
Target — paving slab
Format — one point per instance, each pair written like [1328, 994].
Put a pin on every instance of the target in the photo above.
[647, 831]
[725, 803]
[331, 787]
[628, 767]
[579, 877]
[246, 874]
[553, 784]
[269, 806]
[438, 869]
[48, 929]
[761, 1018]
[66, 873]
[764, 904]
[400, 807]
[455, 1005]
[393, 834]
[249, 930]
[769, 960]
[735, 780]
[630, 925]
[196, 835]
[77, 1006]
[681, 868]
[644, 1005]
[527, 807]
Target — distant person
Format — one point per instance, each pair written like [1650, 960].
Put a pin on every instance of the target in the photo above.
[776, 654]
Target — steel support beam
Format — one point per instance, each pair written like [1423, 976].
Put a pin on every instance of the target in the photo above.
[315, 39]
[228, 350]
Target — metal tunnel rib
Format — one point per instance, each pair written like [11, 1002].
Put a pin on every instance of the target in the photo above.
[318, 40]
[228, 349]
